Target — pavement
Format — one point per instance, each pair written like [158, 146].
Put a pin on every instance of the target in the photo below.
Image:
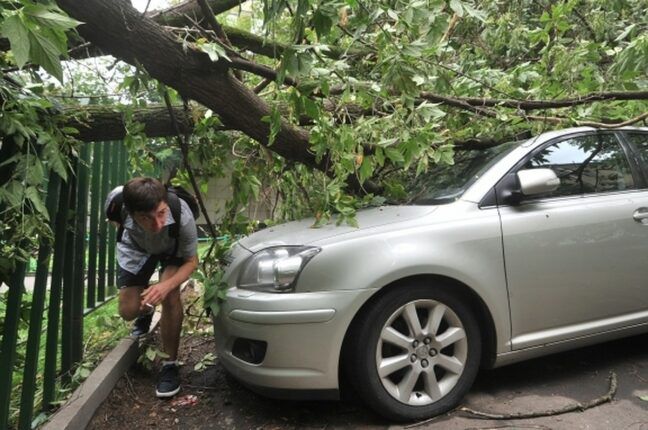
[555, 381]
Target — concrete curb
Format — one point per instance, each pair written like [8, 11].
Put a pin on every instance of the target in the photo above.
[77, 412]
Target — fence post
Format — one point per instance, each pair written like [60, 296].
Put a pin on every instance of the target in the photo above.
[9, 339]
[68, 287]
[53, 312]
[115, 155]
[79, 254]
[103, 226]
[95, 219]
[36, 314]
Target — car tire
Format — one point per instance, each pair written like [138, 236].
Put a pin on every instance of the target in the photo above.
[414, 352]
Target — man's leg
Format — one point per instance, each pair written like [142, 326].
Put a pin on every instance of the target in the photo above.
[172, 315]
[129, 302]
[170, 326]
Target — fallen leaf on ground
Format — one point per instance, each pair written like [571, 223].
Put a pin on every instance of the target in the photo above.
[188, 400]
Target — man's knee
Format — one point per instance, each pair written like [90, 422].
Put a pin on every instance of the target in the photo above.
[128, 311]
[129, 303]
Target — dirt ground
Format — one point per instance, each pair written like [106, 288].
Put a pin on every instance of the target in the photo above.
[210, 399]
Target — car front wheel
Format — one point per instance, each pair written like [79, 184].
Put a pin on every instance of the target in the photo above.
[415, 352]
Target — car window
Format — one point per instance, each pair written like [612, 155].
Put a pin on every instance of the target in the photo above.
[445, 183]
[585, 164]
[640, 141]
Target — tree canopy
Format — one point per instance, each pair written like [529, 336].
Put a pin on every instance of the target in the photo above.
[319, 106]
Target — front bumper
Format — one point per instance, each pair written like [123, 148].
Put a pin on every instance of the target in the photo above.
[303, 333]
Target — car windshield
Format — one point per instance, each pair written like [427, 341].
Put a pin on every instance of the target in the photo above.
[446, 183]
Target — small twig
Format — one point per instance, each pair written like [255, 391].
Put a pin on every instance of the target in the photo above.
[184, 149]
[635, 372]
[516, 426]
[202, 342]
[640, 423]
[451, 26]
[131, 389]
[262, 85]
[580, 407]
[202, 387]
[191, 305]
[148, 3]
[429, 420]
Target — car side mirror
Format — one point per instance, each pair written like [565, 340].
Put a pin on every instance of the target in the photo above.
[537, 181]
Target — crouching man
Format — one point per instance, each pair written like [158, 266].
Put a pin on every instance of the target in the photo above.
[155, 227]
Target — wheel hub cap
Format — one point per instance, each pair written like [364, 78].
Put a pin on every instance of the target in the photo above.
[422, 352]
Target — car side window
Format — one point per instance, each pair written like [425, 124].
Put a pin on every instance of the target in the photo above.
[640, 141]
[585, 164]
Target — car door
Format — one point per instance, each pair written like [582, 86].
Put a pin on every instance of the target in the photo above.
[577, 258]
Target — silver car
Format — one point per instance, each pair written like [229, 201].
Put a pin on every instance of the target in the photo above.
[521, 250]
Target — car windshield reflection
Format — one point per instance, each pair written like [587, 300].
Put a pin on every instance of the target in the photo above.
[443, 184]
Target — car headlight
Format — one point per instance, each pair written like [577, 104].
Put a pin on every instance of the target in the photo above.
[275, 269]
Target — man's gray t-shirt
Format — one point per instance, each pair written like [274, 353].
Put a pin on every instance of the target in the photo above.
[137, 245]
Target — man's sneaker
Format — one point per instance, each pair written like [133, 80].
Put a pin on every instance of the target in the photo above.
[142, 324]
[169, 382]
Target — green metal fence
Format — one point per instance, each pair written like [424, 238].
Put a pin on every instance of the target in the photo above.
[82, 278]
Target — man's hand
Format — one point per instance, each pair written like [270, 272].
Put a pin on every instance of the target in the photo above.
[154, 295]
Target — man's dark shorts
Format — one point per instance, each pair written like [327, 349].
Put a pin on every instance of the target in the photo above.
[142, 278]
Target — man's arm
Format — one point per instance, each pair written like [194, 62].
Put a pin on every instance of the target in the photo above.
[155, 294]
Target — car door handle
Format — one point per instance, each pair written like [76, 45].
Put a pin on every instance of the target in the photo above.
[641, 215]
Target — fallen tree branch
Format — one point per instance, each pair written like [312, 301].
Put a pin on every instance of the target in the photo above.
[559, 120]
[266, 72]
[576, 407]
[179, 15]
[538, 104]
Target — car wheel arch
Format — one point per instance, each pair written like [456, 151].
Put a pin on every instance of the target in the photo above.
[482, 313]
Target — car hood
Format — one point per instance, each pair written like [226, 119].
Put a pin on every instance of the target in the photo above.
[303, 233]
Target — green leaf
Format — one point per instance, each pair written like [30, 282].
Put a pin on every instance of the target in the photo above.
[49, 17]
[290, 62]
[394, 155]
[311, 108]
[457, 7]
[366, 169]
[55, 159]
[150, 354]
[14, 29]
[215, 51]
[324, 86]
[34, 196]
[35, 173]
[644, 398]
[84, 373]
[322, 23]
[274, 119]
[44, 53]
[474, 12]
[625, 33]
[14, 193]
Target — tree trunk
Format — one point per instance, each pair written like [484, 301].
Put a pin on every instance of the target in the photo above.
[117, 28]
[102, 123]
